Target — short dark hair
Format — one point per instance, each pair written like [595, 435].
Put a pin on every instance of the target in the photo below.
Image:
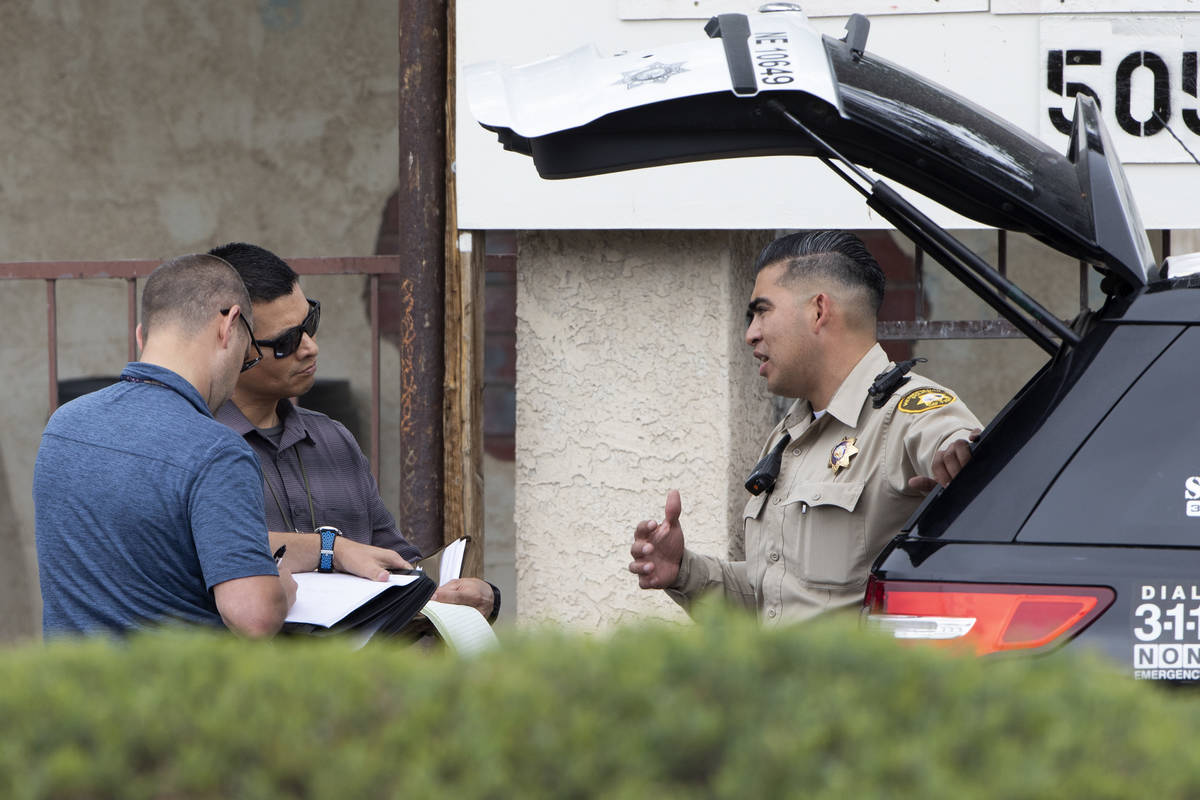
[190, 290]
[839, 255]
[266, 275]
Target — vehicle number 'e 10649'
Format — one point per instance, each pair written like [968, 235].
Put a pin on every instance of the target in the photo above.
[1166, 631]
[771, 61]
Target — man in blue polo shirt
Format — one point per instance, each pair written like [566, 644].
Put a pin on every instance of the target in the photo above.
[147, 509]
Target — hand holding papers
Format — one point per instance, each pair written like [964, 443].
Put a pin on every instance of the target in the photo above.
[329, 603]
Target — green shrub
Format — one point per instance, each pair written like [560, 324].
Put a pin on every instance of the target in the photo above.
[722, 708]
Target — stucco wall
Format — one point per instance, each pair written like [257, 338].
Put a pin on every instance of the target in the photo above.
[145, 129]
[134, 127]
[631, 381]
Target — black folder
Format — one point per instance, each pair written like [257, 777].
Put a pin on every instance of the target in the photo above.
[334, 603]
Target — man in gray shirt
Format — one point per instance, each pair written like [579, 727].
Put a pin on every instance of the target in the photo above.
[314, 473]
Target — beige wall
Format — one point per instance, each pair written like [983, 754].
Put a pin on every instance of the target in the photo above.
[145, 129]
[631, 380]
[134, 127]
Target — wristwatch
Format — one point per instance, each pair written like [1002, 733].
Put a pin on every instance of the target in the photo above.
[328, 535]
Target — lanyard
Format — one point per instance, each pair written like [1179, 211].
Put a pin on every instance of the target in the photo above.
[286, 518]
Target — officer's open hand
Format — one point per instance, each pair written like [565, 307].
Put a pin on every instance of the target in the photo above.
[947, 463]
[658, 547]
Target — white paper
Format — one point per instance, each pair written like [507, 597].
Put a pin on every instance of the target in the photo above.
[452, 561]
[324, 598]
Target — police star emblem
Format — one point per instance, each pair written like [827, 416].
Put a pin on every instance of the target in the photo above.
[842, 452]
[657, 72]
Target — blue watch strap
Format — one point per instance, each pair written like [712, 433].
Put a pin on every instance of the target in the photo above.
[328, 536]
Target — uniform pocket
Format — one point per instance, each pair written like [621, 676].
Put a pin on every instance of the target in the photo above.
[754, 505]
[746, 539]
[832, 537]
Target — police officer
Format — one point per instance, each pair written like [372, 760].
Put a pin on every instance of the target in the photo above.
[846, 466]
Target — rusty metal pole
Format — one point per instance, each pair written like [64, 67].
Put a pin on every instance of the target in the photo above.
[422, 215]
[52, 342]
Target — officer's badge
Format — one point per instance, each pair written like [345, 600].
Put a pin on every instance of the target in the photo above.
[842, 452]
[658, 72]
[925, 399]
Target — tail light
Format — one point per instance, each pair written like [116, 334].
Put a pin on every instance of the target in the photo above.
[987, 618]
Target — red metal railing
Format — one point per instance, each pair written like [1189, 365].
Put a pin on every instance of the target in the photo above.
[53, 271]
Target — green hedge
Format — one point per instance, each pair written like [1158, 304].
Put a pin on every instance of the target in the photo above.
[722, 708]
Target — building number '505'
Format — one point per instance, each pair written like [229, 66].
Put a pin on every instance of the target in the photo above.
[1059, 61]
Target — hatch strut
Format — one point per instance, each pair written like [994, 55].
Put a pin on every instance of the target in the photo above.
[1002, 294]
[734, 32]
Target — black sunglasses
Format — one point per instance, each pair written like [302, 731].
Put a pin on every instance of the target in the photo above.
[286, 343]
[249, 362]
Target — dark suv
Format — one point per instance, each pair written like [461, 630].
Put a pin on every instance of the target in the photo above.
[1078, 518]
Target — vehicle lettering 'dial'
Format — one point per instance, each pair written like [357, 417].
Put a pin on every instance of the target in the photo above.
[1166, 632]
[924, 399]
[1191, 493]
[657, 72]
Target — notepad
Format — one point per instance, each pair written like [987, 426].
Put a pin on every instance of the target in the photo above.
[461, 627]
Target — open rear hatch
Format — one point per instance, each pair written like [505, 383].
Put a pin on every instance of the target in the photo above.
[768, 84]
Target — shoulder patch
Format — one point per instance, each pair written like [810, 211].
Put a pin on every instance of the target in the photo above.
[924, 399]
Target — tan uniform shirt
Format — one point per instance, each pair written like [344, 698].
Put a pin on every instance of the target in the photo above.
[810, 542]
